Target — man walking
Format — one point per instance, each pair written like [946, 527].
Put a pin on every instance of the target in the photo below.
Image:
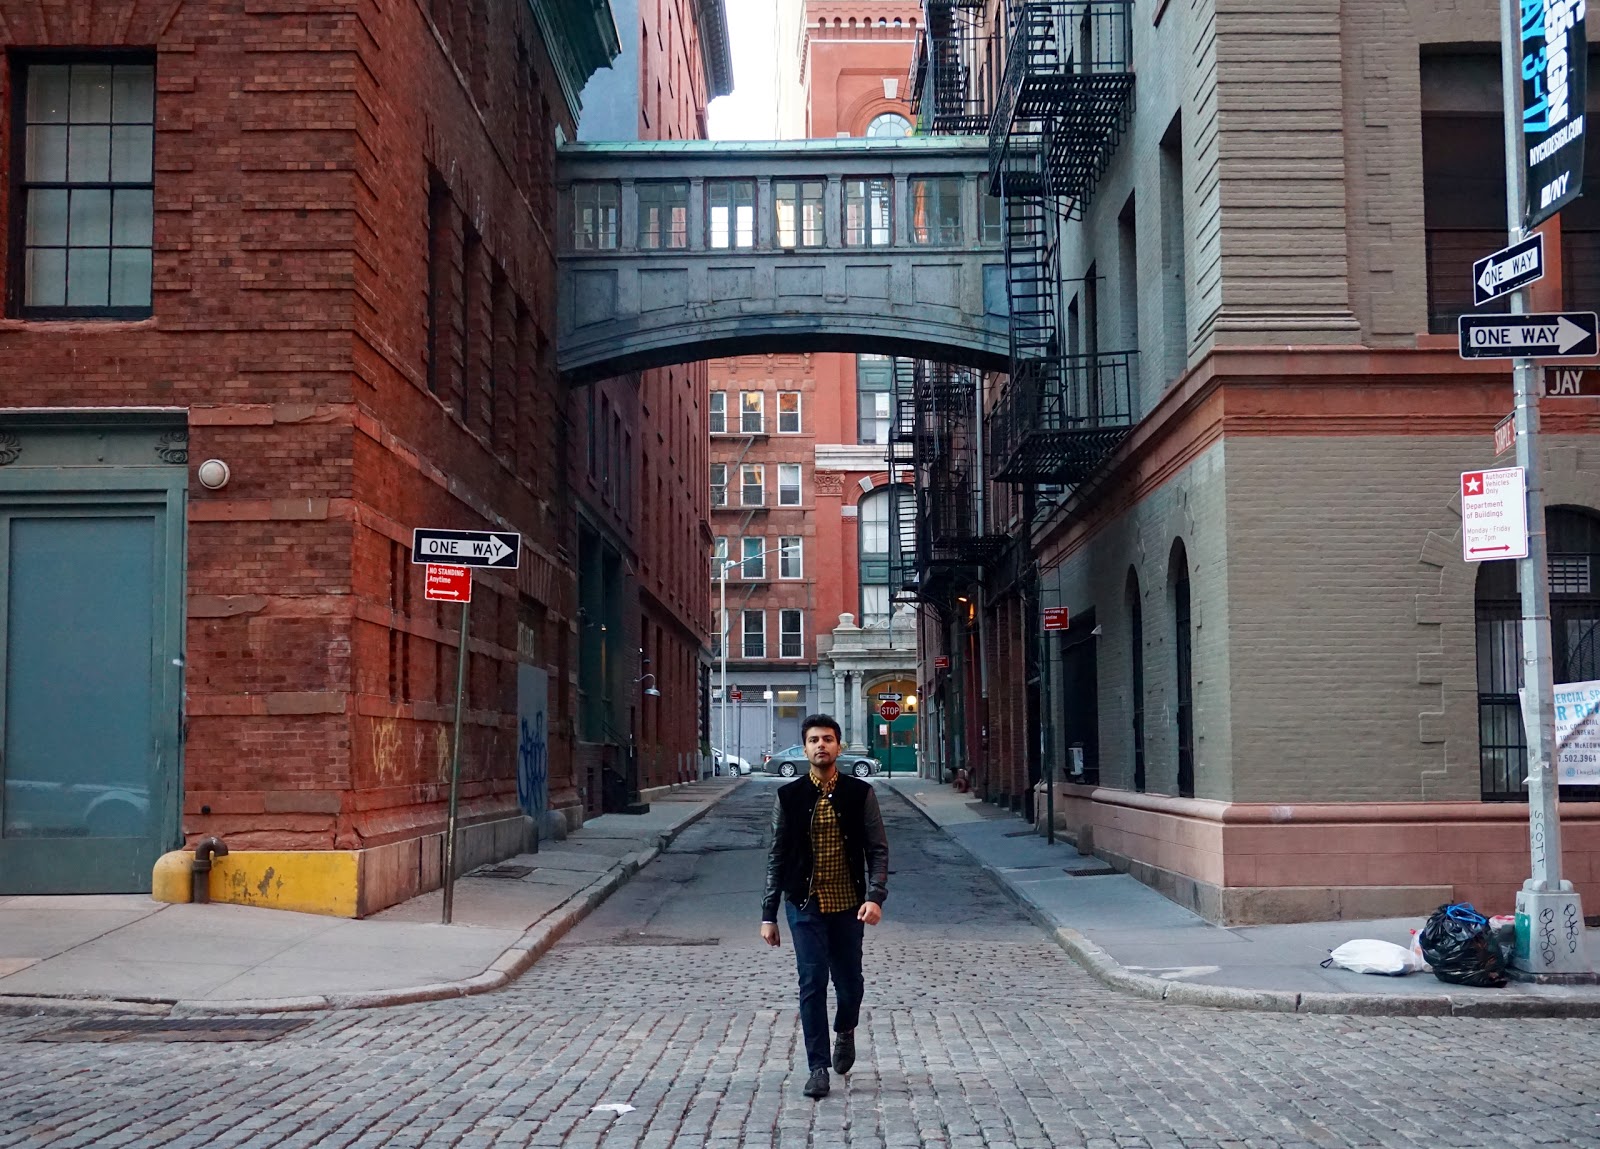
[830, 861]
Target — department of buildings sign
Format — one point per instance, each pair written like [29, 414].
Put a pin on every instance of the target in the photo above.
[1555, 57]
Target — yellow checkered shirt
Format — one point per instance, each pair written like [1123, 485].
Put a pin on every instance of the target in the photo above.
[830, 876]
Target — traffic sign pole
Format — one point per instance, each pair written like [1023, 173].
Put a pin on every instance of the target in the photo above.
[455, 768]
[1545, 901]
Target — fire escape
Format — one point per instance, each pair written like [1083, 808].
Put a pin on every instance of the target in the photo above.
[944, 86]
[1063, 104]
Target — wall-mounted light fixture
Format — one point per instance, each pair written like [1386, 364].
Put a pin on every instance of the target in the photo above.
[213, 474]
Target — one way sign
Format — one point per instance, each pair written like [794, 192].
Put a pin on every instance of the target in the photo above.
[1570, 335]
[498, 549]
[1508, 269]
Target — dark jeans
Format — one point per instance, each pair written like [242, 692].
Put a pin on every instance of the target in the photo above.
[826, 944]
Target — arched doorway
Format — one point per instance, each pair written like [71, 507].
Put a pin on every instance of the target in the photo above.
[893, 741]
[1573, 534]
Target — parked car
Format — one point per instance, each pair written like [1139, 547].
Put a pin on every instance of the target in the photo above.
[792, 760]
[730, 765]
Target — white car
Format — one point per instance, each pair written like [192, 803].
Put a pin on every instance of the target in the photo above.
[736, 766]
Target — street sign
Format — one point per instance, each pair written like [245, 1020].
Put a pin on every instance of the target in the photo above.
[941, 662]
[1056, 618]
[1505, 434]
[1508, 269]
[1574, 335]
[1572, 383]
[736, 695]
[1555, 82]
[446, 583]
[890, 711]
[498, 549]
[889, 696]
[1494, 515]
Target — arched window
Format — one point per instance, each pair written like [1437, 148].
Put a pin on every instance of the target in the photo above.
[888, 126]
[875, 553]
[1183, 649]
[1574, 563]
[1136, 674]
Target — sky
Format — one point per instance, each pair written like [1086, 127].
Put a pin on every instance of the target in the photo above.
[751, 112]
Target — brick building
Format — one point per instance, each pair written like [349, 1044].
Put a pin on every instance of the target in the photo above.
[643, 511]
[798, 449]
[1230, 445]
[310, 249]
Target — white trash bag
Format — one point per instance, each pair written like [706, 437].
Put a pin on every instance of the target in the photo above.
[1367, 955]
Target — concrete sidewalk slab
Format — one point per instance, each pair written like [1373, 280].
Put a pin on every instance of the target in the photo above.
[129, 952]
[1129, 936]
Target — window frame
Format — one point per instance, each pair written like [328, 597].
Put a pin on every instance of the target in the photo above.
[18, 186]
[745, 486]
[800, 201]
[799, 423]
[677, 239]
[791, 547]
[796, 487]
[717, 412]
[716, 486]
[745, 633]
[760, 413]
[934, 194]
[799, 633]
[756, 554]
[611, 231]
[882, 421]
[867, 233]
[734, 235]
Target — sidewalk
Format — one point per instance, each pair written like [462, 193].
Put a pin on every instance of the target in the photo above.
[129, 952]
[1130, 937]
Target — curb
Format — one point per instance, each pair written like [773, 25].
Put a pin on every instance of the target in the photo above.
[1105, 969]
[512, 963]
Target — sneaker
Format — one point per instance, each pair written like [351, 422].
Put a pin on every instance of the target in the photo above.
[844, 1052]
[817, 1084]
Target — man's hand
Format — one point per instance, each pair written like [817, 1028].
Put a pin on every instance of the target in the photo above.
[769, 933]
[870, 912]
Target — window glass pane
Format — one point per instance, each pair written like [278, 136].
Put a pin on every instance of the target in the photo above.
[133, 90]
[874, 603]
[89, 277]
[48, 85]
[789, 412]
[132, 220]
[789, 557]
[130, 277]
[88, 153]
[718, 412]
[752, 407]
[131, 153]
[874, 513]
[47, 154]
[889, 127]
[47, 217]
[90, 218]
[91, 93]
[47, 277]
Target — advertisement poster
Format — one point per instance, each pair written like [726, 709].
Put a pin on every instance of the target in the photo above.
[1578, 733]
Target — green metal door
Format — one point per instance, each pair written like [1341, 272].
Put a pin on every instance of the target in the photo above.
[899, 753]
[90, 645]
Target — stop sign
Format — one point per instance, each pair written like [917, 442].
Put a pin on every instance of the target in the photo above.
[890, 710]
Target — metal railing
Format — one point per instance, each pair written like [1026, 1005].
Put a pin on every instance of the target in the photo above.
[1059, 418]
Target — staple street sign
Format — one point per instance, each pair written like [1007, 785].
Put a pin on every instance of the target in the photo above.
[1505, 434]
[1508, 269]
[1572, 383]
[498, 549]
[1572, 335]
[1494, 515]
[1056, 618]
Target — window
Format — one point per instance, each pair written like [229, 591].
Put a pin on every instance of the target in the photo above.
[1174, 254]
[731, 213]
[752, 412]
[936, 212]
[788, 484]
[719, 484]
[717, 639]
[596, 216]
[790, 557]
[994, 220]
[874, 387]
[1182, 645]
[1136, 684]
[889, 127]
[753, 559]
[799, 213]
[663, 215]
[788, 412]
[875, 552]
[719, 554]
[753, 485]
[718, 412]
[867, 207]
[755, 634]
[791, 643]
[87, 190]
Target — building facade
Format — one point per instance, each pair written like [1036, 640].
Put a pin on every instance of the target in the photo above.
[270, 310]
[1230, 447]
[810, 623]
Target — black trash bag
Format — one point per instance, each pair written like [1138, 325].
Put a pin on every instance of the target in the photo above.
[1461, 947]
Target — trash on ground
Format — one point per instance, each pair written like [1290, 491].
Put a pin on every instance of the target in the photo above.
[1368, 955]
[1462, 947]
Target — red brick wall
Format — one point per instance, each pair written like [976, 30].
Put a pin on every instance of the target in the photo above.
[293, 161]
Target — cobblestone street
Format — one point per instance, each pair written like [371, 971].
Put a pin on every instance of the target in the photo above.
[978, 1032]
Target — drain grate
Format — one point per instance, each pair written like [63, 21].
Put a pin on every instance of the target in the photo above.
[1022, 833]
[652, 940]
[170, 1029]
[503, 872]
[1094, 872]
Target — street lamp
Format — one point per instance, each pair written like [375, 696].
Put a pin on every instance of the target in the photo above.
[723, 567]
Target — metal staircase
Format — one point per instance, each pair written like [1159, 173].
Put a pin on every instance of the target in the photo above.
[945, 94]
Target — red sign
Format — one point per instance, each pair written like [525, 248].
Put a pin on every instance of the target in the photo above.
[1572, 383]
[1056, 618]
[736, 694]
[1505, 435]
[890, 710]
[448, 583]
[941, 662]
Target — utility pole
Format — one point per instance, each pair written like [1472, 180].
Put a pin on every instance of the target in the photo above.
[1549, 923]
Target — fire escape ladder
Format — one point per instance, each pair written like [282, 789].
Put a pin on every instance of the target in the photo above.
[943, 94]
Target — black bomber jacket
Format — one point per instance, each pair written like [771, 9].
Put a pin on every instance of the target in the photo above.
[866, 846]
